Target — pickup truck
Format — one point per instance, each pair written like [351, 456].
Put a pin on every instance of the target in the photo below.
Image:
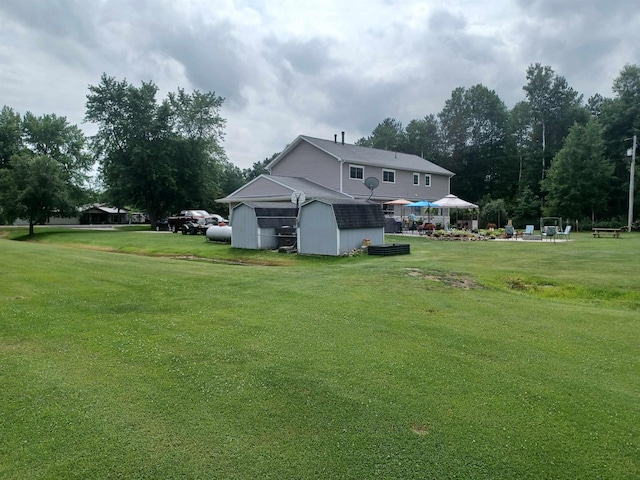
[187, 219]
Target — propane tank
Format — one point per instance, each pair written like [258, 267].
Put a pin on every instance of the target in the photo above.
[219, 233]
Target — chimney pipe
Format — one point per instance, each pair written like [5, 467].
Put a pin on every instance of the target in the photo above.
[343, 138]
[335, 138]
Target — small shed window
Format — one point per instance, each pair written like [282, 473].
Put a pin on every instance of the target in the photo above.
[389, 176]
[356, 172]
[427, 180]
[416, 179]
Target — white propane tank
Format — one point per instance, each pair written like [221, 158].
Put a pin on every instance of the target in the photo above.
[217, 233]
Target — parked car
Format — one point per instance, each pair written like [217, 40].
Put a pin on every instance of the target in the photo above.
[201, 217]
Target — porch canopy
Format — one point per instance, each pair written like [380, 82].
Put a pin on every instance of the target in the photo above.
[453, 202]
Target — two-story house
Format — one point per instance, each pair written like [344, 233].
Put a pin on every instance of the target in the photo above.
[335, 169]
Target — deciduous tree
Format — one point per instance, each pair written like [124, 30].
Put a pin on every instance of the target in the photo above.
[34, 187]
[44, 166]
[158, 156]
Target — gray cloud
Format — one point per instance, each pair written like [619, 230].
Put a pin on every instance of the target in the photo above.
[59, 19]
[308, 69]
[212, 56]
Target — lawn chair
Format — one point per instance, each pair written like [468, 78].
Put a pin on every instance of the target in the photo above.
[565, 234]
[549, 232]
[510, 232]
[528, 230]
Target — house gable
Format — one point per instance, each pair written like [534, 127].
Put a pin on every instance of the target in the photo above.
[306, 160]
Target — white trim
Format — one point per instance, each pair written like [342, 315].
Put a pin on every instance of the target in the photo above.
[427, 176]
[416, 183]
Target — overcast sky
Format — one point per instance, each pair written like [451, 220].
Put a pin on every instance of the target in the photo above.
[290, 67]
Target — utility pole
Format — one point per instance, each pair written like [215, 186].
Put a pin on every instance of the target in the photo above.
[631, 179]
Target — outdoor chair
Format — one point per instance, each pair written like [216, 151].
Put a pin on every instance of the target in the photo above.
[565, 234]
[510, 232]
[549, 232]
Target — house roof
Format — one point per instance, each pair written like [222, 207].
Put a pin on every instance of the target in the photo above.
[289, 184]
[367, 156]
[356, 214]
[95, 208]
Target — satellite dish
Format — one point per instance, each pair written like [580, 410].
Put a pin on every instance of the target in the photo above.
[297, 197]
[371, 183]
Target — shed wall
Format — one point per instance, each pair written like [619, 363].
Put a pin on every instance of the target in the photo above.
[318, 230]
[267, 239]
[244, 228]
[351, 238]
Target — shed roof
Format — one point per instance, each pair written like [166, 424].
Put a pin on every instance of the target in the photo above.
[355, 214]
[273, 214]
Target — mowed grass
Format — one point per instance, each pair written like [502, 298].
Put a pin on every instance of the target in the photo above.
[188, 359]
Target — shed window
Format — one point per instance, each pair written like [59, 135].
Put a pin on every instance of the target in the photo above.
[427, 180]
[356, 172]
[389, 176]
[416, 179]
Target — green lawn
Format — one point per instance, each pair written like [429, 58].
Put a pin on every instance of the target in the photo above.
[135, 354]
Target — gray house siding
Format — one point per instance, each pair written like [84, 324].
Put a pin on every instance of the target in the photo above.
[403, 186]
[305, 160]
[329, 163]
[263, 187]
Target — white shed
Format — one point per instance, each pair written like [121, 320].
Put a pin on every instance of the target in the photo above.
[336, 227]
[260, 225]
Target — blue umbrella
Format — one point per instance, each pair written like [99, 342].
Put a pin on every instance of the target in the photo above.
[423, 203]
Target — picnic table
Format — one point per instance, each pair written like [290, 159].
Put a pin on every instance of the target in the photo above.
[614, 231]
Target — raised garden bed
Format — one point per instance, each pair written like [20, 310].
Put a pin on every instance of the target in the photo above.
[389, 249]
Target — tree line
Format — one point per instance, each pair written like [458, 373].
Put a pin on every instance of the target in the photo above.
[552, 154]
[156, 156]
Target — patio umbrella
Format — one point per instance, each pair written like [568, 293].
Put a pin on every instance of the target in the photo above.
[424, 204]
[400, 201]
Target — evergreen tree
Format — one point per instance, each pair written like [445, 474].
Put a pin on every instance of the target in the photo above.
[578, 183]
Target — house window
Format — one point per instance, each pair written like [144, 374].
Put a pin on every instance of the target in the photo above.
[416, 179]
[427, 180]
[389, 176]
[356, 172]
